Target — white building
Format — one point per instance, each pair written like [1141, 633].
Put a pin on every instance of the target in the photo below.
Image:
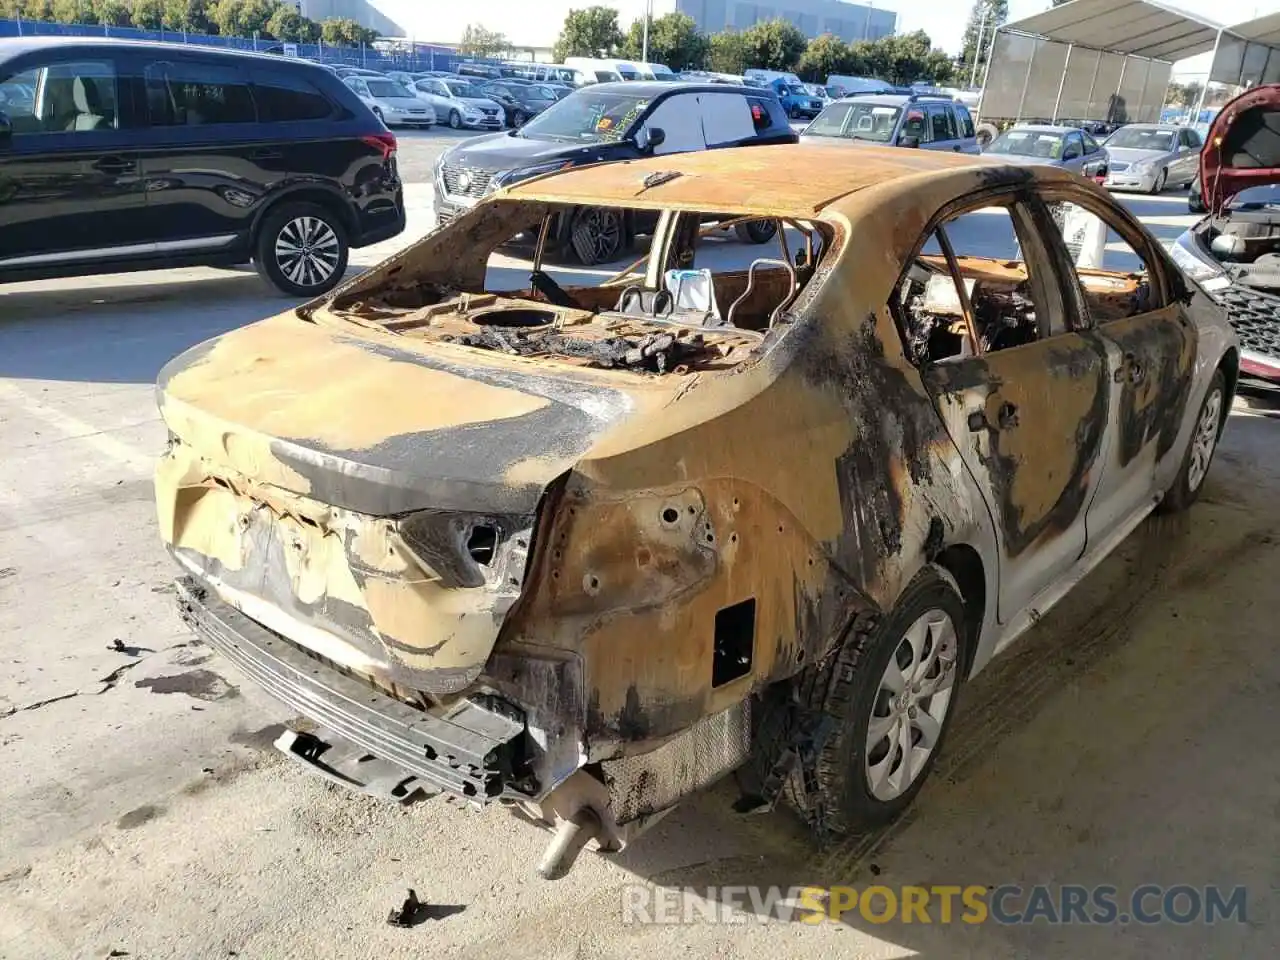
[527, 27]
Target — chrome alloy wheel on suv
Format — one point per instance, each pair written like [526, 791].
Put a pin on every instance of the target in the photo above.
[302, 249]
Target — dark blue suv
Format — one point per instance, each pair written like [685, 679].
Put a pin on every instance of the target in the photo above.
[604, 122]
[139, 156]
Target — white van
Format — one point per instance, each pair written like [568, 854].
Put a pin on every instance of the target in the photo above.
[590, 70]
[658, 71]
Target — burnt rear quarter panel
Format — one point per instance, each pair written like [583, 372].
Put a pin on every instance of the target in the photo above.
[816, 482]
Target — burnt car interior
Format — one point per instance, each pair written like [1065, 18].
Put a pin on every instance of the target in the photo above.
[675, 309]
[956, 300]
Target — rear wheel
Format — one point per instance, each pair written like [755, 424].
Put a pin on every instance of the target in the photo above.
[1204, 442]
[985, 134]
[302, 249]
[892, 691]
[518, 118]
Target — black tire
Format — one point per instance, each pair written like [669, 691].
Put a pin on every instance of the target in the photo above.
[756, 231]
[1196, 461]
[597, 235]
[1162, 181]
[985, 133]
[455, 120]
[518, 119]
[850, 690]
[1195, 199]
[319, 236]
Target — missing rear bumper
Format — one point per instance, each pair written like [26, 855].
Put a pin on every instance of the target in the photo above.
[464, 750]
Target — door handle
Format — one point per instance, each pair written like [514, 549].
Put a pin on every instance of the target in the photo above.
[266, 154]
[1006, 419]
[1130, 369]
[114, 165]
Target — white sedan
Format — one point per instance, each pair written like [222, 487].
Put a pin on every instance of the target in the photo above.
[460, 104]
[391, 102]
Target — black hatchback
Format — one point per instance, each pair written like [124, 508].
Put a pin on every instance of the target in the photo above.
[141, 156]
[604, 122]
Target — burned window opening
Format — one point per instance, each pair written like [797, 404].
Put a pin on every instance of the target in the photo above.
[650, 318]
[735, 640]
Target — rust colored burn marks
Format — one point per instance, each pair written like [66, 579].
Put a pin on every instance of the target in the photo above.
[1040, 469]
[1153, 406]
[891, 452]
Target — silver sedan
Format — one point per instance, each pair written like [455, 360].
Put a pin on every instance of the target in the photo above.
[1042, 145]
[1150, 157]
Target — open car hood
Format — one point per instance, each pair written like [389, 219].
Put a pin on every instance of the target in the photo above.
[1243, 147]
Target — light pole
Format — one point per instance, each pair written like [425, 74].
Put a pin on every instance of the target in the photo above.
[977, 47]
[648, 15]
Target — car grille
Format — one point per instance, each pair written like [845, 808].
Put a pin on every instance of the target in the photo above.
[416, 110]
[460, 181]
[1119, 167]
[1255, 316]
[489, 111]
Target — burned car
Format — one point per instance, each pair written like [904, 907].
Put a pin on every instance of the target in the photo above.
[584, 550]
[1234, 252]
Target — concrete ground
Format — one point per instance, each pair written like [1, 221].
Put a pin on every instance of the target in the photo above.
[1128, 739]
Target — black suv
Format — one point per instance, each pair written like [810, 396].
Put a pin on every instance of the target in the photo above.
[604, 122]
[141, 156]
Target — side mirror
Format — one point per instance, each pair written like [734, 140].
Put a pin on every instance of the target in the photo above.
[650, 138]
[909, 140]
[6, 131]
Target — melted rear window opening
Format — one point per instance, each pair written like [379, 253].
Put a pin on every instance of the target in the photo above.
[735, 280]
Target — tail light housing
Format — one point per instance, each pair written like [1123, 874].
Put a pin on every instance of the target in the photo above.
[383, 142]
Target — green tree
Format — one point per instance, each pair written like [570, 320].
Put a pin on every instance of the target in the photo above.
[74, 11]
[824, 56]
[674, 40]
[478, 41]
[114, 13]
[289, 25]
[592, 32]
[243, 18]
[37, 10]
[191, 15]
[910, 58]
[775, 44]
[345, 32]
[997, 12]
[147, 14]
[727, 54]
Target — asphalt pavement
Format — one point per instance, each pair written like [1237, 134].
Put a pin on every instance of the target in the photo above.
[1127, 740]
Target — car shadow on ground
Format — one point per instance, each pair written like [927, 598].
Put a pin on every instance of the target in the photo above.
[1091, 754]
[123, 329]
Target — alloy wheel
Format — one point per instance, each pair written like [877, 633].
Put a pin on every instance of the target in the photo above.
[307, 251]
[597, 235]
[1205, 440]
[911, 705]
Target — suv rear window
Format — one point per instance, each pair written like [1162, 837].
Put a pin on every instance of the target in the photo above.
[283, 99]
[197, 94]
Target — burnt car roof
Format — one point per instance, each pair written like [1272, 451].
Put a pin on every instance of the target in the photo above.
[744, 180]
[1242, 149]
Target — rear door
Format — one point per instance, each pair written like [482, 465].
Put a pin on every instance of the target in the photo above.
[1023, 393]
[70, 186]
[207, 163]
[1188, 160]
[942, 131]
[964, 126]
[1095, 158]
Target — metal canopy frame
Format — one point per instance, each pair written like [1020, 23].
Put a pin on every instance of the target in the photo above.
[1140, 28]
